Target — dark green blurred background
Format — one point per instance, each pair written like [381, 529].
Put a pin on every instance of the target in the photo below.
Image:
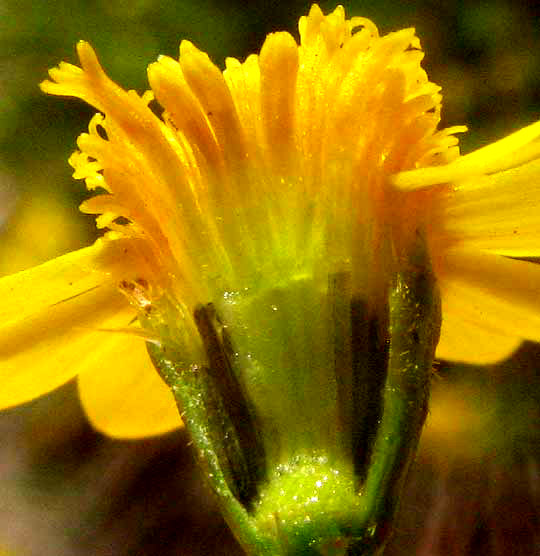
[67, 491]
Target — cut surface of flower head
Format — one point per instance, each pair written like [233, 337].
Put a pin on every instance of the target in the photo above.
[309, 160]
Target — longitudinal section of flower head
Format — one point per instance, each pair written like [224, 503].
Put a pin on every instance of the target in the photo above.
[274, 168]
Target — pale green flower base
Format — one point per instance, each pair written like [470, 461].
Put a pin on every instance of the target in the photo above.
[308, 495]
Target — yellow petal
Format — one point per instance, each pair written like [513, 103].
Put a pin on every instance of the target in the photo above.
[44, 351]
[492, 292]
[244, 82]
[209, 86]
[183, 108]
[279, 66]
[471, 343]
[121, 392]
[512, 151]
[49, 314]
[498, 213]
[32, 291]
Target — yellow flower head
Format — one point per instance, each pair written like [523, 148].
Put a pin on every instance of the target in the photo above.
[276, 165]
[306, 160]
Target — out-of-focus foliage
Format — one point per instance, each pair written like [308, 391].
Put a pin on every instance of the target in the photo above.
[66, 491]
